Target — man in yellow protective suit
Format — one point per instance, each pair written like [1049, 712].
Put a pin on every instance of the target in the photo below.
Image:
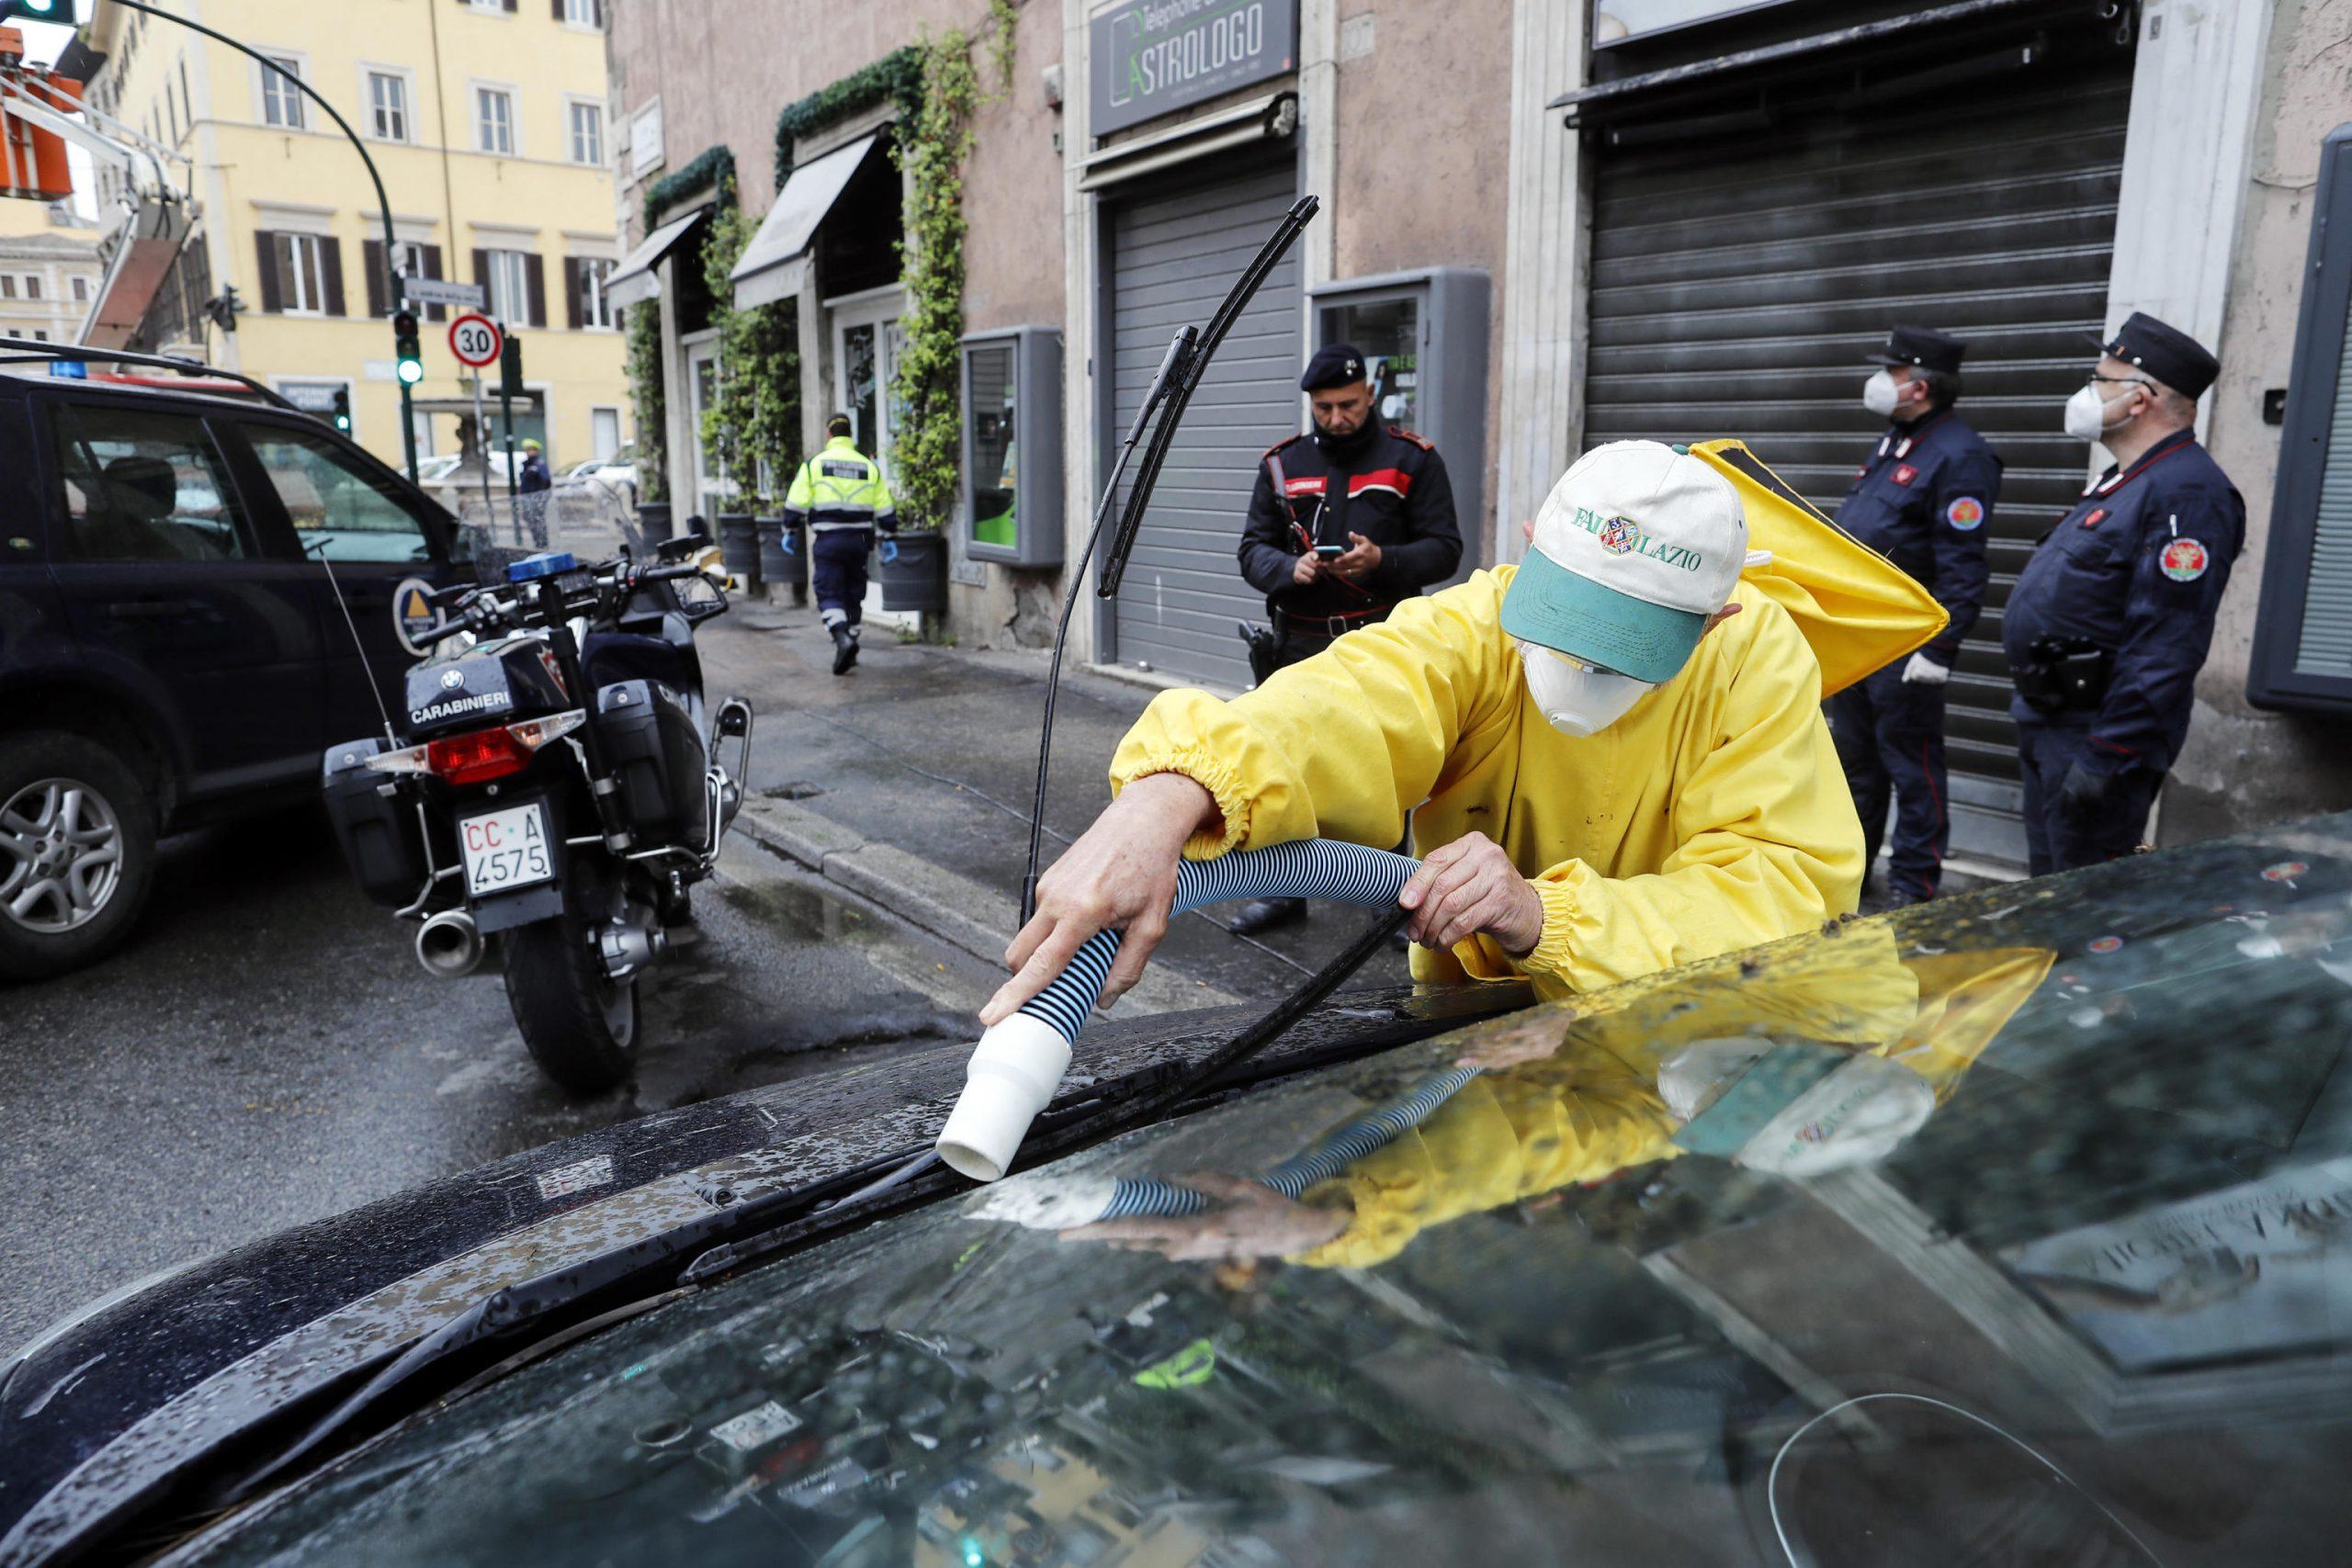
[1614, 752]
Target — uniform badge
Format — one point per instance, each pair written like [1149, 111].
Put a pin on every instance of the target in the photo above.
[1617, 535]
[1905, 473]
[2092, 521]
[2106, 944]
[1965, 512]
[2184, 561]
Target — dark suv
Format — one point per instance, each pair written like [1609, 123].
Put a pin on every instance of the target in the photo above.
[171, 652]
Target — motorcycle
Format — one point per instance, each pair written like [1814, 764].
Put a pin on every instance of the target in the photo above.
[555, 791]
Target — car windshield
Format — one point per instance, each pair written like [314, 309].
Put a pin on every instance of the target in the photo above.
[2000, 1230]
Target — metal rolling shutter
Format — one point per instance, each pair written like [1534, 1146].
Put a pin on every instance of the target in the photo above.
[1736, 289]
[1173, 258]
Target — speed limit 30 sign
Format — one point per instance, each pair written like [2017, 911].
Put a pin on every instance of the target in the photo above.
[476, 340]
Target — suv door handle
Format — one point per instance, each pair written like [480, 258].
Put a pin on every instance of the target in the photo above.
[155, 609]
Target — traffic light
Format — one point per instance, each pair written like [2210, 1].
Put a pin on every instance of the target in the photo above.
[405, 349]
[343, 409]
[60, 11]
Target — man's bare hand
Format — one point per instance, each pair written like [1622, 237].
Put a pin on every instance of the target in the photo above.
[1359, 560]
[1469, 887]
[1309, 568]
[1247, 1220]
[1121, 874]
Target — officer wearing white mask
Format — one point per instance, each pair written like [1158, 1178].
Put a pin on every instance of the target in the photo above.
[1613, 755]
[1924, 499]
[2112, 616]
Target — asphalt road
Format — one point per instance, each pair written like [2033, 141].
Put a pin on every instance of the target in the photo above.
[267, 1051]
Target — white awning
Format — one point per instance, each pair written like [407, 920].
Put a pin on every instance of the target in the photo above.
[776, 264]
[634, 280]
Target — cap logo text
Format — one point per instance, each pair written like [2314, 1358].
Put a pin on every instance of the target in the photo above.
[1623, 536]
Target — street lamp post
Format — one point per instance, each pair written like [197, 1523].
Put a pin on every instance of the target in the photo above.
[383, 203]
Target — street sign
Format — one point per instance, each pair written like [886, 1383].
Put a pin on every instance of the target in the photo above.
[476, 340]
[436, 291]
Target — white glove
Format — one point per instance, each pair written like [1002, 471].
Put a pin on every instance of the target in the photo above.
[1924, 672]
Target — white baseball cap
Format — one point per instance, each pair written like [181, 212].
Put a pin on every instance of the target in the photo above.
[1635, 546]
[1792, 1108]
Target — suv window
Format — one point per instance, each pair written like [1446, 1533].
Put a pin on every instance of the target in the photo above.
[144, 486]
[340, 510]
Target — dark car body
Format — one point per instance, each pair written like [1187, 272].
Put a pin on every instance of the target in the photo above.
[2090, 1308]
[207, 646]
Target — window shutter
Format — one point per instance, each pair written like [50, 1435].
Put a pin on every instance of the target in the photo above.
[559, 10]
[433, 270]
[273, 290]
[371, 262]
[572, 316]
[331, 264]
[482, 281]
[510, 7]
[535, 274]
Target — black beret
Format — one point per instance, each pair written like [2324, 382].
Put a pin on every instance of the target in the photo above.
[1334, 365]
[1922, 347]
[2164, 352]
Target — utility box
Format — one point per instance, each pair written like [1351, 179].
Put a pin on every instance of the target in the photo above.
[1012, 447]
[1423, 336]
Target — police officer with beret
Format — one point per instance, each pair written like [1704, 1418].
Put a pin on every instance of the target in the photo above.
[2113, 614]
[1924, 500]
[1346, 521]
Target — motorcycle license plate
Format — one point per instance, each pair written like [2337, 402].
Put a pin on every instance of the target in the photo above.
[505, 850]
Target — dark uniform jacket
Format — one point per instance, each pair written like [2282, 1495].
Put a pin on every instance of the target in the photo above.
[1924, 500]
[2136, 570]
[1392, 489]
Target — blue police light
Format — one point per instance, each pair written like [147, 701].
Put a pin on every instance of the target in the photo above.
[531, 569]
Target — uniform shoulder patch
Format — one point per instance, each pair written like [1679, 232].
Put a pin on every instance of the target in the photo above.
[1423, 441]
[1286, 441]
[2185, 560]
[1966, 513]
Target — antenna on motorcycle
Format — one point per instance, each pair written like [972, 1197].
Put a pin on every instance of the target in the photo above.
[1172, 389]
[375, 692]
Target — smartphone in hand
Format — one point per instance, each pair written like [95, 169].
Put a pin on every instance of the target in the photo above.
[1331, 552]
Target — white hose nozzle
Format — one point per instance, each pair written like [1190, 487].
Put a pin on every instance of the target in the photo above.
[1013, 1072]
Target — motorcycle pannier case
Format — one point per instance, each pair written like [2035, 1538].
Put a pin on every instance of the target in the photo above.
[653, 749]
[378, 831]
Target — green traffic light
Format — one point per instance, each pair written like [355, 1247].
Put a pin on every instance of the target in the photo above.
[412, 371]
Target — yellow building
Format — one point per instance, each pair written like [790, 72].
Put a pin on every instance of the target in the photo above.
[487, 119]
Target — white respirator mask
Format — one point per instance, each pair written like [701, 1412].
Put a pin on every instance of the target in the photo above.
[1880, 394]
[1576, 698]
[2090, 416]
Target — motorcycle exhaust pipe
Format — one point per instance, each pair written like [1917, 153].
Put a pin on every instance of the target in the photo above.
[450, 945]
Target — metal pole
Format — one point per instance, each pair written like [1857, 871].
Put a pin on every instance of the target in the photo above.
[507, 417]
[383, 202]
[482, 443]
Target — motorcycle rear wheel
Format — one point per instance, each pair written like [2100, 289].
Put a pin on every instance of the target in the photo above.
[580, 1026]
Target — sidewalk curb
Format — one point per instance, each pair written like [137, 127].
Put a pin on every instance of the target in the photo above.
[956, 909]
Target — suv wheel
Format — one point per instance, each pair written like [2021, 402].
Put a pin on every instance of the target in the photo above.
[77, 853]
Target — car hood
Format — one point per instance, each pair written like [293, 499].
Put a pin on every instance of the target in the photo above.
[2051, 1269]
[114, 1400]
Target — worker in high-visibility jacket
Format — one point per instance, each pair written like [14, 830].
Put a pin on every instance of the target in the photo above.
[1612, 754]
[840, 497]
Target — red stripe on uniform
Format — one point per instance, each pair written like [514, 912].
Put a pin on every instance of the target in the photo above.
[1396, 479]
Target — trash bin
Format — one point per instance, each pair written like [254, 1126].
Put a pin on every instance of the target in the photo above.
[738, 542]
[776, 561]
[913, 575]
[654, 520]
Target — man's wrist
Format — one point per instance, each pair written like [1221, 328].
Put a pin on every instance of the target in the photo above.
[1181, 803]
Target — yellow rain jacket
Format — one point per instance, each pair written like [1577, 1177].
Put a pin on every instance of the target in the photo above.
[1593, 1108]
[1712, 816]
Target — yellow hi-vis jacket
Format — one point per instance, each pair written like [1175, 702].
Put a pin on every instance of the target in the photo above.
[1713, 816]
[841, 487]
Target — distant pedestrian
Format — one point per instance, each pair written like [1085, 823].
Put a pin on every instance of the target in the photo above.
[1347, 522]
[841, 496]
[2113, 614]
[533, 477]
[1924, 500]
